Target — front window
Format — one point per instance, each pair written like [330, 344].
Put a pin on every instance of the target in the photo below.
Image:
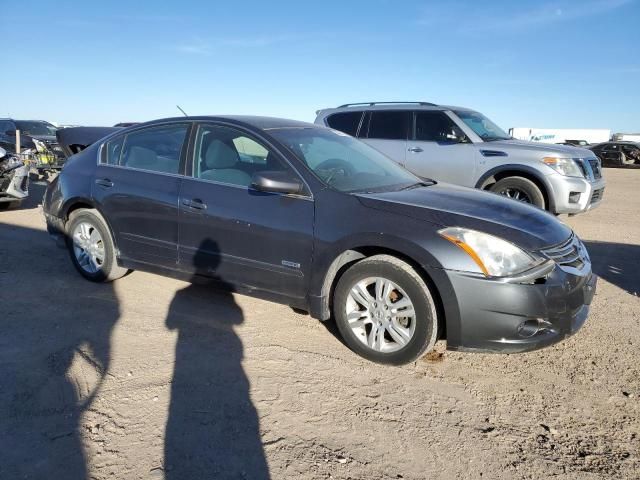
[36, 128]
[343, 162]
[227, 155]
[482, 126]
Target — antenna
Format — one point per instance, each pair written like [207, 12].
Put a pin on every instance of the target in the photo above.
[183, 112]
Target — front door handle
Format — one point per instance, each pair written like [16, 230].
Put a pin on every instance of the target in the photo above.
[416, 150]
[104, 182]
[194, 203]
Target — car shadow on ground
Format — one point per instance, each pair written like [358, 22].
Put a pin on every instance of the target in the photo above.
[54, 355]
[617, 263]
[213, 428]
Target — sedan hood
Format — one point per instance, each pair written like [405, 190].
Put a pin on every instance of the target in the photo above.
[452, 206]
[544, 148]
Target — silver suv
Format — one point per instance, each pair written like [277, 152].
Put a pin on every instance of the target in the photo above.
[461, 146]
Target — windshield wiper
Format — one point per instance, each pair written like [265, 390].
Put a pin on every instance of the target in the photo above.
[418, 184]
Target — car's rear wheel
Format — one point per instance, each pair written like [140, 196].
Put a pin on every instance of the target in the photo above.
[91, 247]
[521, 189]
[385, 311]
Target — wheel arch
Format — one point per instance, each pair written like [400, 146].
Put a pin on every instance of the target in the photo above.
[348, 257]
[79, 203]
[496, 174]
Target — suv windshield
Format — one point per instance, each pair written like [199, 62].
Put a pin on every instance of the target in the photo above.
[482, 126]
[343, 162]
[36, 128]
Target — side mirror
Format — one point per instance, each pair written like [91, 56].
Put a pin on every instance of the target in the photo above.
[3, 152]
[277, 182]
[457, 136]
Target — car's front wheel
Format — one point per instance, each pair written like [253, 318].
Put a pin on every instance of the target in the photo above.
[521, 189]
[91, 247]
[385, 311]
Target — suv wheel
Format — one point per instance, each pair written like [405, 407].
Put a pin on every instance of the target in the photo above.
[91, 247]
[384, 310]
[521, 189]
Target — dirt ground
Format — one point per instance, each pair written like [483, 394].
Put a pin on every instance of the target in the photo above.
[151, 377]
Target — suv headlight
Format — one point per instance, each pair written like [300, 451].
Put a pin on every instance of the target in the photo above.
[495, 257]
[564, 166]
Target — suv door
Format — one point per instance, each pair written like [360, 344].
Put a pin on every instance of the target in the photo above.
[229, 230]
[387, 131]
[435, 149]
[136, 186]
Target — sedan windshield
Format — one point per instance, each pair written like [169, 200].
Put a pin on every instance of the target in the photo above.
[36, 128]
[482, 126]
[343, 162]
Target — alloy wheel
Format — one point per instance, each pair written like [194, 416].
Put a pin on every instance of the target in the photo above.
[516, 194]
[88, 247]
[380, 314]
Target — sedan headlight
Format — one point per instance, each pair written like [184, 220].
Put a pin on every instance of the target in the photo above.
[564, 166]
[495, 257]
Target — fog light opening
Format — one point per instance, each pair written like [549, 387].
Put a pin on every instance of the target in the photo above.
[531, 327]
[574, 197]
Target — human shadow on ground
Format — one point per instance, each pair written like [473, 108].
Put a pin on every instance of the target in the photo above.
[213, 428]
[55, 333]
[617, 263]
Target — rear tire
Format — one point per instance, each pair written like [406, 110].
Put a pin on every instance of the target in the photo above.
[520, 188]
[91, 246]
[393, 322]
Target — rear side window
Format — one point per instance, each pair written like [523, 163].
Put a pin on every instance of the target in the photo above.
[157, 148]
[346, 122]
[434, 127]
[112, 150]
[389, 125]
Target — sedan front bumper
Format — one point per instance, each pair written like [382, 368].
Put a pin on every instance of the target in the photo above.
[499, 316]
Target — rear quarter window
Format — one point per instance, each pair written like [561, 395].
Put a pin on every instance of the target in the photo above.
[347, 122]
[111, 151]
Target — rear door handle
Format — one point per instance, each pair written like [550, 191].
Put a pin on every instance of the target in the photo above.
[416, 150]
[194, 203]
[104, 182]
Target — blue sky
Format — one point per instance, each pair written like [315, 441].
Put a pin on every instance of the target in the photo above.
[550, 64]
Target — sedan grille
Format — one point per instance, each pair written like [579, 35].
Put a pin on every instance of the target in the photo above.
[571, 254]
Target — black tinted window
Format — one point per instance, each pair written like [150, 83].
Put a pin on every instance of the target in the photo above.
[346, 122]
[391, 125]
[227, 155]
[156, 148]
[434, 127]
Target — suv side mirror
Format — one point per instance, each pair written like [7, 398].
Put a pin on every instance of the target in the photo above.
[277, 182]
[457, 136]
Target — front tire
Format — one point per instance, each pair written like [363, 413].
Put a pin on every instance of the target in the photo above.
[385, 311]
[91, 247]
[521, 189]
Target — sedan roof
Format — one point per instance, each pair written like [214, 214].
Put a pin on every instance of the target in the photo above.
[262, 123]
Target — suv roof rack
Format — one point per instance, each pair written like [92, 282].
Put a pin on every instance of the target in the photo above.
[371, 104]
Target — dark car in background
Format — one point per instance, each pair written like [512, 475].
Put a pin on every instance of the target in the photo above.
[618, 154]
[313, 218]
[37, 138]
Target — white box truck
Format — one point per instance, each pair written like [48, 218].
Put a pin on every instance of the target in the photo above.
[561, 135]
